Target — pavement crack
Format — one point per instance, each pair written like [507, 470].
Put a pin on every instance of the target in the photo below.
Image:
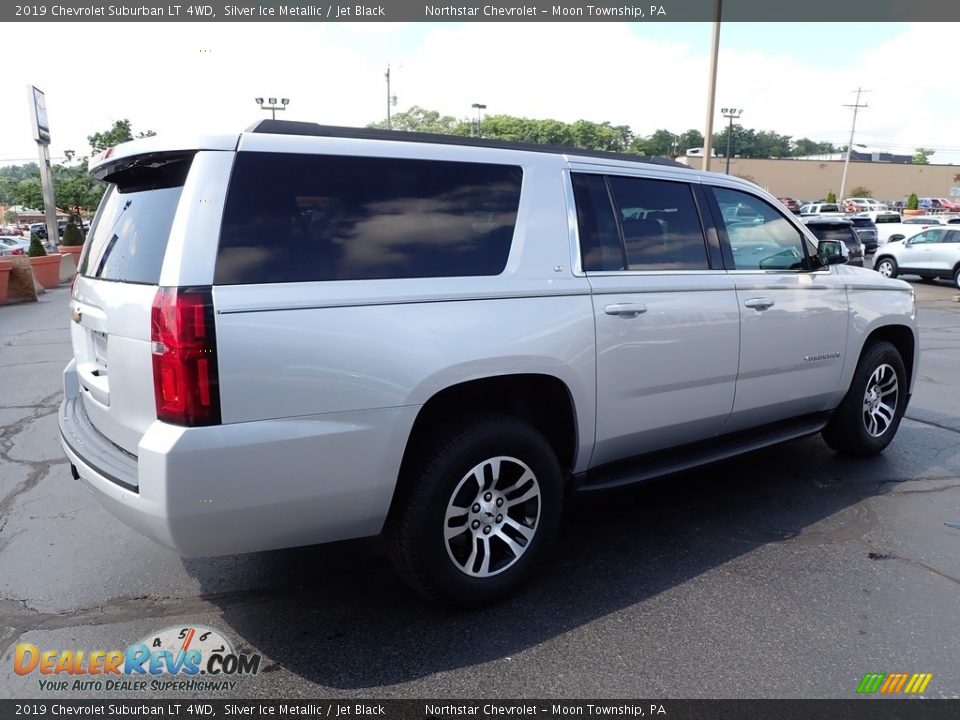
[931, 423]
[19, 616]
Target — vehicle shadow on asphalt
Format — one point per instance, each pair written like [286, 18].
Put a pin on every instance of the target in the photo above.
[338, 616]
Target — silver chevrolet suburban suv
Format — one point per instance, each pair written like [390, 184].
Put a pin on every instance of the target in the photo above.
[300, 334]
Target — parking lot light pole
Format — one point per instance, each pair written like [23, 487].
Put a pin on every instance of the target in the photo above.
[272, 106]
[853, 126]
[732, 114]
[712, 86]
[478, 107]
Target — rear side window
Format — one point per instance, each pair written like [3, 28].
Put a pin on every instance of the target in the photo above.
[300, 218]
[835, 233]
[629, 223]
[128, 238]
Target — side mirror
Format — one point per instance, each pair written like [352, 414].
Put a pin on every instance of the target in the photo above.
[831, 252]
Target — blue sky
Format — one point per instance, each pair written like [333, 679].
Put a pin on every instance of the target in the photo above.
[793, 78]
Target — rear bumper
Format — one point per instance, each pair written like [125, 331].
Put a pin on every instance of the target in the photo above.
[244, 487]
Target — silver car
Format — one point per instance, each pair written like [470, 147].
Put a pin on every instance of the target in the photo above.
[300, 334]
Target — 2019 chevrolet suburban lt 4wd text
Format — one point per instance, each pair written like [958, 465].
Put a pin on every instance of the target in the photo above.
[300, 334]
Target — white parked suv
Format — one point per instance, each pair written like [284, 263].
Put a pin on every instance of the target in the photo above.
[932, 253]
[300, 334]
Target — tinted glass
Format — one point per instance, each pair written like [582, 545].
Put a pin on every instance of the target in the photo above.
[836, 233]
[600, 247]
[660, 224]
[129, 238]
[952, 236]
[760, 237]
[294, 218]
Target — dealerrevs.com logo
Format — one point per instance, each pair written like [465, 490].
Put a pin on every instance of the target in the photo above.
[175, 659]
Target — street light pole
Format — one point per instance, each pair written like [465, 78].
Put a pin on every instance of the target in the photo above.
[388, 99]
[478, 107]
[732, 114]
[272, 106]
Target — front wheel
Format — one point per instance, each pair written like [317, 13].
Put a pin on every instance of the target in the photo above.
[887, 267]
[475, 515]
[868, 418]
[956, 278]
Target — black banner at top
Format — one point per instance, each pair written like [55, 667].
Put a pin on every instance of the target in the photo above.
[347, 709]
[499, 11]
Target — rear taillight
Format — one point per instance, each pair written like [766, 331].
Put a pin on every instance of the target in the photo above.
[184, 346]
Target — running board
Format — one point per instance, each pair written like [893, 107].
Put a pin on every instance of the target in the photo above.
[686, 457]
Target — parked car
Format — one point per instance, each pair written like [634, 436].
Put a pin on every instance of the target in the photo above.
[791, 205]
[950, 204]
[820, 208]
[929, 203]
[866, 230]
[891, 228]
[354, 332]
[931, 253]
[858, 205]
[838, 230]
[13, 245]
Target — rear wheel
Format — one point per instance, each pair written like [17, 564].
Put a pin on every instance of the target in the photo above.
[476, 513]
[956, 278]
[868, 418]
[887, 267]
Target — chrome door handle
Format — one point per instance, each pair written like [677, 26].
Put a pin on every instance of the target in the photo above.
[759, 303]
[626, 310]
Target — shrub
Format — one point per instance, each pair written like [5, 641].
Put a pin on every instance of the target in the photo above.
[860, 192]
[831, 197]
[913, 202]
[36, 247]
[72, 235]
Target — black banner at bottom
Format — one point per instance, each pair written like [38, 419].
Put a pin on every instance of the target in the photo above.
[855, 709]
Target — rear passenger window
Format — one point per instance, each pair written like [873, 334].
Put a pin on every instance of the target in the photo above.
[296, 218]
[661, 225]
[600, 247]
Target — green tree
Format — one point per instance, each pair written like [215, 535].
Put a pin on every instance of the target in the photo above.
[831, 197]
[805, 146]
[922, 157]
[689, 140]
[72, 234]
[861, 192]
[913, 202]
[9, 217]
[36, 247]
[121, 132]
[418, 119]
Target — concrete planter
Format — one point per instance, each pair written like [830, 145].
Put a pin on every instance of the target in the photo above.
[74, 250]
[912, 213]
[5, 267]
[46, 268]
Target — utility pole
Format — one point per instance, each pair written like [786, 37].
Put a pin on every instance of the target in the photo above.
[712, 87]
[846, 163]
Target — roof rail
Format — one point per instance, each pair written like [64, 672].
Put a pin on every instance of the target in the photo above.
[296, 127]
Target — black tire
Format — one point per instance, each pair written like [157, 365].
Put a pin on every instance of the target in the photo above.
[893, 266]
[439, 479]
[956, 278]
[850, 430]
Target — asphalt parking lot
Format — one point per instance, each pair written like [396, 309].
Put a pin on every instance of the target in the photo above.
[788, 573]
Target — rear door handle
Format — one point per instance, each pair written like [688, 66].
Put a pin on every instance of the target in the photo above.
[626, 310]
[759, 303]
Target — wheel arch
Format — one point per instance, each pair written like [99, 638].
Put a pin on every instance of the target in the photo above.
[903, 338]
[544, 401]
